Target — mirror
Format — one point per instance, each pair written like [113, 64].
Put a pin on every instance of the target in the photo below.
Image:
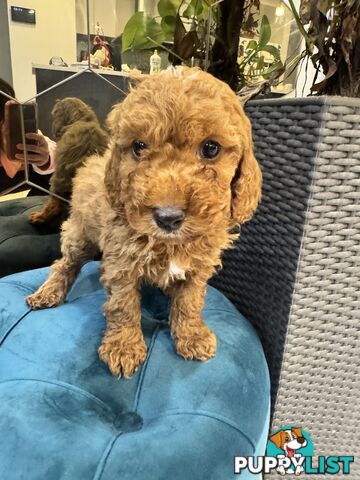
[45, 66]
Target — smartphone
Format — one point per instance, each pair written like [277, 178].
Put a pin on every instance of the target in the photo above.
[12, 124]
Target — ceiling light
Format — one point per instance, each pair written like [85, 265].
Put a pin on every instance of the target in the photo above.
[280, 11]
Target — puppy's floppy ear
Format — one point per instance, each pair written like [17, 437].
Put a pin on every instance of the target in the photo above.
[112, 176]
[112, 179]
[113, 119]
[246, 184]
[58, 120]
[278, 438]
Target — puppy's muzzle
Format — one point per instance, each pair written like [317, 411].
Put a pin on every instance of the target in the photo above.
[168, 219]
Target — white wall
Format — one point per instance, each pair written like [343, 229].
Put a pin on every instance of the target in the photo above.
[125, 9]
[111, 14]
[80, 13]
[53, 34]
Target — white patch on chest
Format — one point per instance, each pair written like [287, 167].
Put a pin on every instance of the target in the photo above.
[176, 272]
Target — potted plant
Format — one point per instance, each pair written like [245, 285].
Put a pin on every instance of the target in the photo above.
[207, 32]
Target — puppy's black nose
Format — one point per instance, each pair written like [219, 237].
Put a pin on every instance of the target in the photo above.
[301, 440]
[168, 218]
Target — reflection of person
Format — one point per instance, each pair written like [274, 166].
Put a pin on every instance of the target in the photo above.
[116, 45]
[41, 156]
[102, 52]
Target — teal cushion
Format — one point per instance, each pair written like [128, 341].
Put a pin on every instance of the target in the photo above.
[64, 416]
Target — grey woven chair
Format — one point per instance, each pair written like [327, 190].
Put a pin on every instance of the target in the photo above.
[295, 270]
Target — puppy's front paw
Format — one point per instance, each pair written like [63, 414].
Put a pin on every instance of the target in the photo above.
[195, 343]
[44, 298]
[36, 218]
[123, 352]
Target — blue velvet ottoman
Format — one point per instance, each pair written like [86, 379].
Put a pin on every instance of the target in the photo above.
[64, 416]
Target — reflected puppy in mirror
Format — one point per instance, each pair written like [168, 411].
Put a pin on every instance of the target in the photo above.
[79, 135]
[180, 173]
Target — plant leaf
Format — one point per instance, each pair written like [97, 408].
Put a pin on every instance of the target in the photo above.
[265, 32]
[260, 63]
[275, 66]
[168, 8]
[204, 15]
[305, 11]
[251, 45]
[194, 8]
[275, 52]
[332, 69]
[189, 45]
[294, 62]
[138, 28]
[348, 36]
[324, 6]
[168, 26]
[180, 32]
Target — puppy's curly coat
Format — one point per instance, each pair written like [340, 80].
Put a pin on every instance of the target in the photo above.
[79, 135]
[180, 174]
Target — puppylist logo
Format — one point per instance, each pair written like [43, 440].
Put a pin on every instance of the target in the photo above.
[290, 451]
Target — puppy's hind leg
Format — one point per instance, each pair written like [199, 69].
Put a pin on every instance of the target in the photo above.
[52, 208]
[76, 248]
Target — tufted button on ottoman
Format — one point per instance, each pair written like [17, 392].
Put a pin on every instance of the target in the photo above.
[64, 416]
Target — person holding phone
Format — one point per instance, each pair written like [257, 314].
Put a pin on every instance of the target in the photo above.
[40, 153]
[24, 246]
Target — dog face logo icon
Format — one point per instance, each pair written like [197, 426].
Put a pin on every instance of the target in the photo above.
[290, 444]
[289, 441]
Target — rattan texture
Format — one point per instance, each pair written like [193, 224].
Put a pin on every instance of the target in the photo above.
[258, 275]
[295, 270]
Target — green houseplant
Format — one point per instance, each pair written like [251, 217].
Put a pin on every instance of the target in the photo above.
[209, 31]
[331, 29]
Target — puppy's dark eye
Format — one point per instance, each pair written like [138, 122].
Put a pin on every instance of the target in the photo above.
[137, 148]
[210, 149]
